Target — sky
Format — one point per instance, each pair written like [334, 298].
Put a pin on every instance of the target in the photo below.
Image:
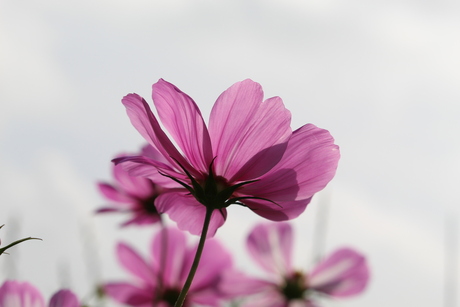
[382, 76]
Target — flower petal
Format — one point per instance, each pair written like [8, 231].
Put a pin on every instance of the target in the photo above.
[309, 163]
[64, 298]
[235, 283]
[270, 245]
[182, 118]
[188, 213]
[141, 218]
[137, 187]
[282, 211]
[168, 251]
[343, 273]
[20, 294]
[129, 294]
[214, 261]
[271, 298]
[145, 122]
[145, 167]
[242, 126]
[134, 263]
[113, 194]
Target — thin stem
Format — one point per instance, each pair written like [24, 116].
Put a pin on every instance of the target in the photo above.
[196, 261]
[3, 249]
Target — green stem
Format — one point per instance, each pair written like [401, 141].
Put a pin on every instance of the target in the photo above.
[196, 261]
[3, 249]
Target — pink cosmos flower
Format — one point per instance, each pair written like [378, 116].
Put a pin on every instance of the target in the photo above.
[136, 195]
[248, 155]
[158, 280]
[23, 294]
[343, 273]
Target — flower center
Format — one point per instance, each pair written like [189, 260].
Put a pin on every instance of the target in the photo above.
[149, 205]
[170, 296]
[214, 192]
[294, 286]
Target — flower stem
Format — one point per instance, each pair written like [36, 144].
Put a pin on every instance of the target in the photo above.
[196, 261]
[3, 249]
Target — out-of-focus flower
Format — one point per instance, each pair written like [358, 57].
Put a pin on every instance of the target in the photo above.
[23, 294]
[135, 195]
[159, 279]
[343, 273]
[3, 249]
[247, 156]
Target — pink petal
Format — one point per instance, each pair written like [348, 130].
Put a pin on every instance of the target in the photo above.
[113, 194]
[153, 153]
[140, 166]
[134, 263]
[20, 294]
[309, 163]
[214, 261]
[271, 298]
[244, 131]
[138, 187]
[182, 118]
[282, 211]
[188, 213]
[235, 284]
[168, 252]
[145, 122]
[270, 245]
[129, 294]
[344, 273]
[64, 298]
[143, 218]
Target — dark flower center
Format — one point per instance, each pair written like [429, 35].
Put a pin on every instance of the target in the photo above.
[149, 205]
[213, 191]
[170, 296]
[294, 287]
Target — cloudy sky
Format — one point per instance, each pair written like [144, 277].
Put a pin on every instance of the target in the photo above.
[382, 76]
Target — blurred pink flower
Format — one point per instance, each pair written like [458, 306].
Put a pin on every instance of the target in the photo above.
[248, 155]
[23, 294]
[341, 274]
[159, 279]
[136, 195]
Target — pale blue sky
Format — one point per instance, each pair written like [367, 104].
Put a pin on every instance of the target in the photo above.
[382, 76]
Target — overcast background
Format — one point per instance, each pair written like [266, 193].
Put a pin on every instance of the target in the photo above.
[382, 76]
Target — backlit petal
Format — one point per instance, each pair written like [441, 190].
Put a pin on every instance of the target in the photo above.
[188, 213]
[134, 263]
[113, 194]
[20, 294]
[309, 163]
[242, 126]
[64, 298]
[167, 250]
[283, 211]
[344, 273]
[129, 294]
[270, 245]
[145, 122]
[214, 261]
[182, 118]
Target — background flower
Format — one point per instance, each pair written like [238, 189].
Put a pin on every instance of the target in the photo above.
[343, 273]
[23, 294]
[133, 194]
[158, 279]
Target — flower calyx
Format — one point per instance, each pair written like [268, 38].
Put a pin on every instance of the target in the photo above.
[214, 191]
